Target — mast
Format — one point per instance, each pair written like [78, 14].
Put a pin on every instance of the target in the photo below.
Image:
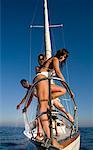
[48, 55]
[47, 33]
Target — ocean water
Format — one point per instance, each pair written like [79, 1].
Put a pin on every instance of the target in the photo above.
[12, 138]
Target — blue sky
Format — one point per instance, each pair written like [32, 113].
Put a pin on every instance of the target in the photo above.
[16, 17]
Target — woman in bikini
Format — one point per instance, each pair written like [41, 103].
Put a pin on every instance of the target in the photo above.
[42, 87]
[54, 88]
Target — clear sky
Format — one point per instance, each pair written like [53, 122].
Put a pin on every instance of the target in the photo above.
[16, 16]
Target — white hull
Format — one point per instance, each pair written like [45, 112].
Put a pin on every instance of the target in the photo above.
[69, 144]
[75, 145]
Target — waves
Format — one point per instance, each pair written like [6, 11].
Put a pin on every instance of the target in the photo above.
[86, 138]
[12, 138]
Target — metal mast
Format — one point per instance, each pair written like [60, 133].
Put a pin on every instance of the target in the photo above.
[47, 33]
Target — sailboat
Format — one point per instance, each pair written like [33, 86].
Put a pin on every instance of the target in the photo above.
[69, 134]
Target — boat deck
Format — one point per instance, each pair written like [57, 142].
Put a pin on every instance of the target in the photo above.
[63, 136]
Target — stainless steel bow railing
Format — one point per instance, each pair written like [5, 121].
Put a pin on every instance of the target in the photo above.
[50, 98]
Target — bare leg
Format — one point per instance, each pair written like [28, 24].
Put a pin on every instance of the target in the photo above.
[57, 91]
[44, 119]
[42, 93]
[39, 126]
[58, 105]
[40, 130]
[40, 134]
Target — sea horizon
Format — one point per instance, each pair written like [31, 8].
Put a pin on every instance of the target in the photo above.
[13, 138]
[22, 126]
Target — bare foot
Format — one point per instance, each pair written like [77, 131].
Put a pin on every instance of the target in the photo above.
[70, 117]
[39, 138]
[57, 145]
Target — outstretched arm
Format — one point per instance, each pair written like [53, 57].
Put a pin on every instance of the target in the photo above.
[29, 101]
[22, 101]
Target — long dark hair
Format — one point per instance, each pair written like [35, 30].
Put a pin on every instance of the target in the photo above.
[60, 53]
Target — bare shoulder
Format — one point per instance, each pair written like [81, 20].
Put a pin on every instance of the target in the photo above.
[55, 59]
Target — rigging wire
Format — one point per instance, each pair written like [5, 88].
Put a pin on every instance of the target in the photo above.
[31, 113]
[64, 44]
[66, 99]
[30, 53]
[30, 50]
[53, 40]
[68, 106]
[67, 73]
[42, 45]
[30, 60]
[35, 11]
